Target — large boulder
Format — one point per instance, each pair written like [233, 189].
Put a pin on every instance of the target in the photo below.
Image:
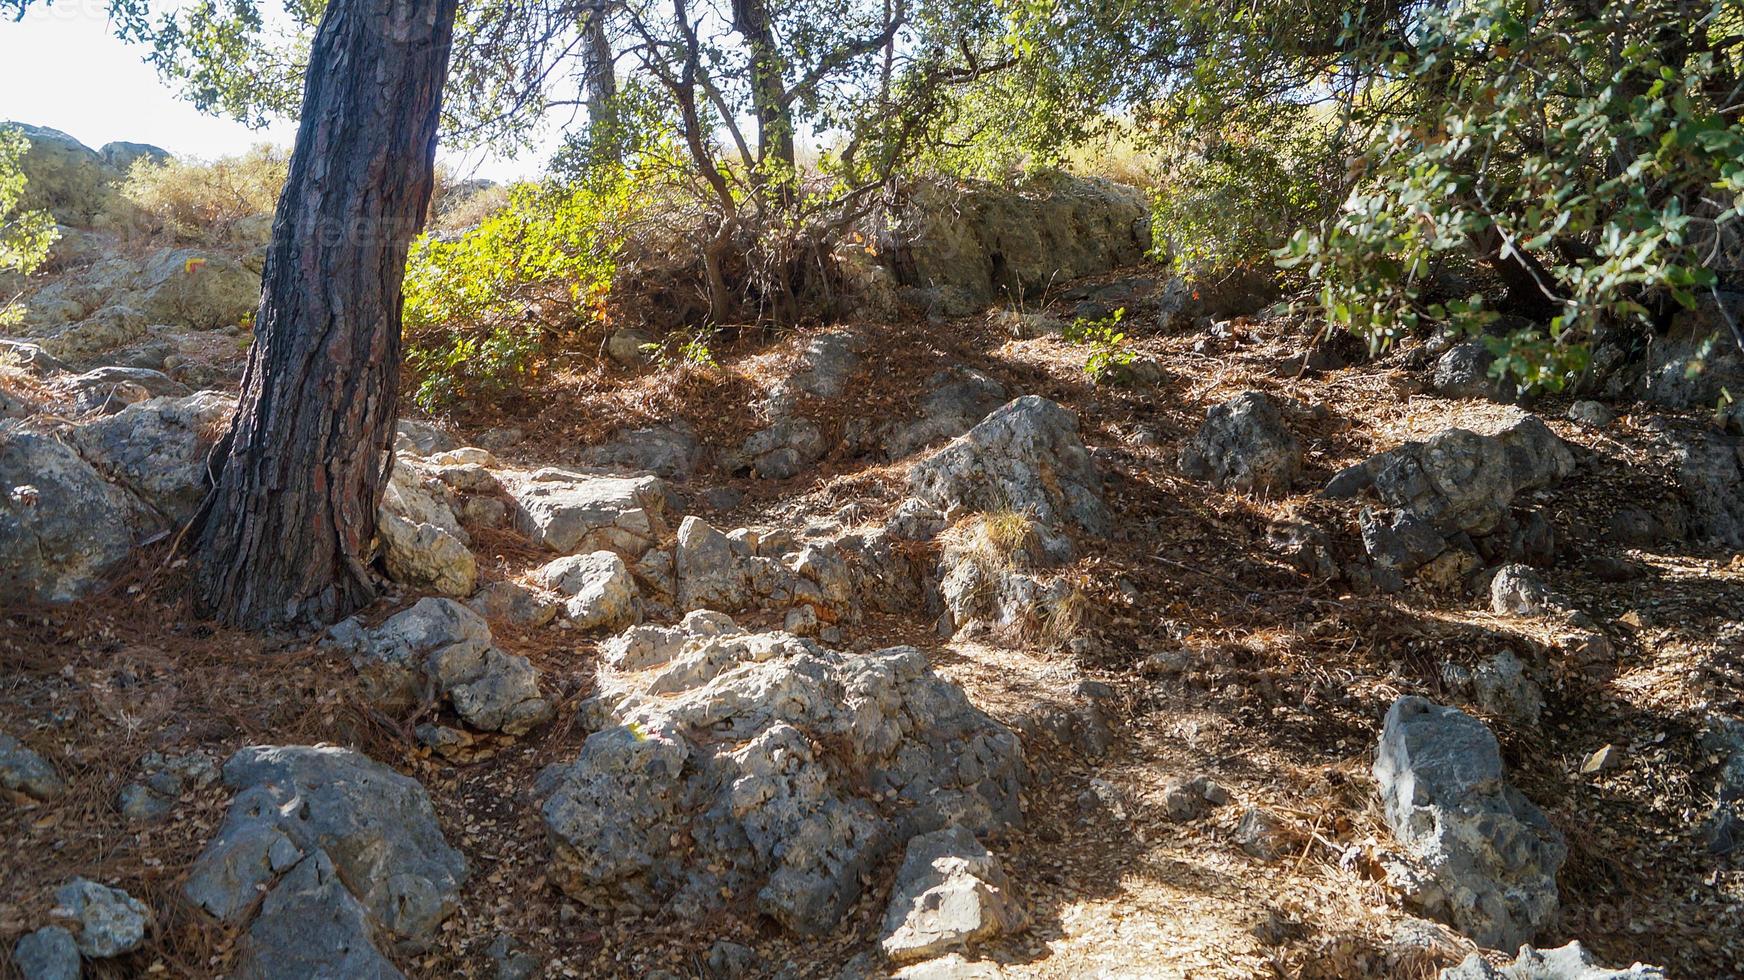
[1484, 856]
[726, 762]
[1710, 472]
[1025, 457]
[62, 526]
[570, 512]
[598, 588]
[951, 894]
[64, 176]
[198, 289]
[426, 556]
[157, 449]
[1697, 362]
[976, 242]
[347, 852]
[1245, 445]
[1570, 962]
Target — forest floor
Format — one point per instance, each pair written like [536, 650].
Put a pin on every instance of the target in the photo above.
[1224, 660]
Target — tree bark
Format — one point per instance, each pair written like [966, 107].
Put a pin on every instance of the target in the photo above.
[599, 68]
[287, 532]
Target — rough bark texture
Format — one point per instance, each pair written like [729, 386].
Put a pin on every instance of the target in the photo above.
[288, 528]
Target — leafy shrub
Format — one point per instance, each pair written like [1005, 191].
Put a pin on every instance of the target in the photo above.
[479, 307]
[25, 236]
[204, 200]
[1109, 356]
[1228, 199]
[1573, 147]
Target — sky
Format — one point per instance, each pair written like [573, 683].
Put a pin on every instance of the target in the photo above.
[61, 67]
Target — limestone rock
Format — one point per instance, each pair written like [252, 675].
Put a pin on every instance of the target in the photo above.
[48, 953]
[1245, 445]
[23, 771]
[779, 452]
[1499, 684]
[415, 495]
[111, 922]
[198, 289]
[421, 438]
[1464, 372]
[672, 451]
[980, 241]
[62, 526]
[426, 556]
[158, 449]
[650, 815]
[951, 894]
[440, 646]
[64, 176]
[162, 780]
[957, 401]
[1488, 855]
[355, 851]
[1569, 962]
[600, 589]
[1516, 590]
[571, 512]
[513, 603]
[1709, 470]
[1026, 457]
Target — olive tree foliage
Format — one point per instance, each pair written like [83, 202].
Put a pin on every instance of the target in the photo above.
[718, 97]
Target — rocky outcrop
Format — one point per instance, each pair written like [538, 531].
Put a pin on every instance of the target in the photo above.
[598, 588]
[62, 526]
[1245, 445]
[1483, 857]
[158, 449]
[961, 247]
[199, 289]
[64, 176]
[347, 852]
[816, 764]
[951, 894]
[1456, 492]
[426, 556]
[957, 400]
[1025, 457]
[570, 512]
[439, 647]
[1696, 361]
[1709, 468]
[1569, 962]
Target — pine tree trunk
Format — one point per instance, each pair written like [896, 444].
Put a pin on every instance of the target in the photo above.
[288, 528]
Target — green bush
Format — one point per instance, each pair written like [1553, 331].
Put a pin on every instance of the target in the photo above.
[1577, 146]
[479, 307]
[25, 236]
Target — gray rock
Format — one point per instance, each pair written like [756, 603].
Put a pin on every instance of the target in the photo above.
[599, 588]
[823, 369]
[958, 400]
[162, 781]
[728, 960]
[415, 495]
[1709, 470]
[513, 603]
[671, 451]
[48, 953]
[1026, 457]
[120, 155]
[421, 438]
[1591, 414]
[62, 526]
[651, 815]
[312, 926]
[198, 289]
[1464, 372]
[111, 922]
[952, 967]
[1694, 363]
[1569, 962]
[111, 388]
[951, 894]
[158, 449]
[707, 572]
[1499, 684]
[1192, 797]
[1486, 858]
[425, 556]
[573, 512]
[440, 646]
[779, 452]
[64, 176]
[1245, 445]
[628, 347]
[511, 961]
[977, 242]
[23, 771]
[1260, 834]
[1516, 590]
[354, 849]
[1402, 542]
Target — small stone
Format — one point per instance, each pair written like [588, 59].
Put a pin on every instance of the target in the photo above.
[111, 922]
[511, 961]
[23, 771]
[1260, 834]
[1605, 757]
[1590, 413]
[49, 953]
[1193, 797]
[951, 894]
